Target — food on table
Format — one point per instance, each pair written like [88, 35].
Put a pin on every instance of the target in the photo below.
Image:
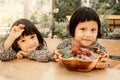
[88, 54]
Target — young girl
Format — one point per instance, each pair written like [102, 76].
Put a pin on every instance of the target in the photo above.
[84, 28]
[25, 40]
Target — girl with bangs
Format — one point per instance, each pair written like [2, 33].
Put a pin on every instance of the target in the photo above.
[84, 29]
[25, 40]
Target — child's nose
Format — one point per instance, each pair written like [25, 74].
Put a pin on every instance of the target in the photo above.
[88, 33]
[30, 42]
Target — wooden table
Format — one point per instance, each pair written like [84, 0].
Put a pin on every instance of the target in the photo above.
[112, 46]
[32, 70]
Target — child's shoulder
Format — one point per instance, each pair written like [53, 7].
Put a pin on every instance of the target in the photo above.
[100, 46]
[97, 44]
[64, 43]
[67, 40]
[42, 47]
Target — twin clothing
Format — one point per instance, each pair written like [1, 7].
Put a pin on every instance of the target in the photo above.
[42, 53]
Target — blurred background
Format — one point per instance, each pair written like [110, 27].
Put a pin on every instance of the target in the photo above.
[52, 16]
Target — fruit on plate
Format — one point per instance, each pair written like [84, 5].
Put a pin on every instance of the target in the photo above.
[79, 59]
[87, 54]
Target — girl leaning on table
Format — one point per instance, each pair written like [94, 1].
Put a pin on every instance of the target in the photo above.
[84, 29]
[25, 40]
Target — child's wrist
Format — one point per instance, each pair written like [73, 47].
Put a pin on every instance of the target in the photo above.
[11, 37]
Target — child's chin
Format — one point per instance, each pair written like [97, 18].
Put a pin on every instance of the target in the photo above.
[87, 45]
[32, 49]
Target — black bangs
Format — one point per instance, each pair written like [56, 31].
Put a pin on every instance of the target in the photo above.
[86, 14]
[28, 29]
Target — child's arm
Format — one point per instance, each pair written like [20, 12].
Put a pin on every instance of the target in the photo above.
[16, 31]
[43, 55]
[9, 41]
[104, 61]
[6, 55]
[64, 43]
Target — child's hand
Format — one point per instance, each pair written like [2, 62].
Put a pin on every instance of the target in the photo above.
[21, 54]
[103, 62]
[16, 31]
[57, 58]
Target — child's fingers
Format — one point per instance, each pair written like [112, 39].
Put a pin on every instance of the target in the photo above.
[19, 56]
[55, 56]
[18, 28]
[14, 29]
[21, 27]
[104, 60]
[59, 61]
[105, 56]
[102, 65]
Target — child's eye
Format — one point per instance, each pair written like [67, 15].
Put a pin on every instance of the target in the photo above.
[93, 30]
[82, 29]
[22, 40]
[33, 36]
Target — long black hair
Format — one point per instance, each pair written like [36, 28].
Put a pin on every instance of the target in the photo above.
[29, 29]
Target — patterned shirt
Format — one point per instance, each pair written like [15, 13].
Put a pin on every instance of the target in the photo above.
[42, 54]
[67, 42]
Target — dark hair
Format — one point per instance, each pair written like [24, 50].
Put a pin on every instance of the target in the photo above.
[83, 14]
[29, 28]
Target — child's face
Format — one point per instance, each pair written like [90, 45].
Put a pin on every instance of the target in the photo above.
[28, 43]
[86, 33]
